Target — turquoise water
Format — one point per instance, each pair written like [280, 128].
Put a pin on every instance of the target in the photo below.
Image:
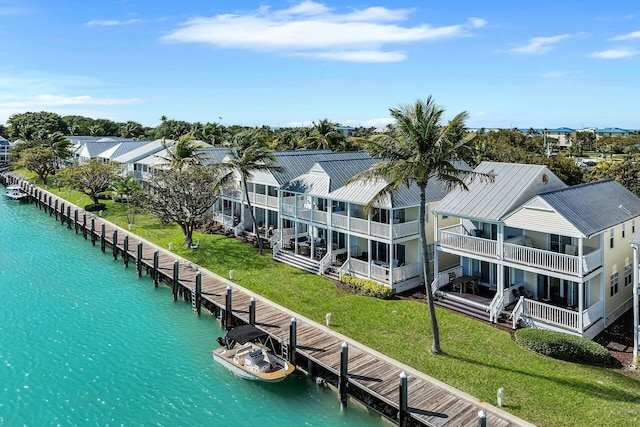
[84, 341]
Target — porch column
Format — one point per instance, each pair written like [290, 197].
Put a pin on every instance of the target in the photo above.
[369, 257]
[636, 288]
[500, 267]
[295, 236]
[581, 305]
[580, 255]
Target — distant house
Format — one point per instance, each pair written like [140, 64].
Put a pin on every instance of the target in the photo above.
[545, 255]
[4, 150]
[612, 132]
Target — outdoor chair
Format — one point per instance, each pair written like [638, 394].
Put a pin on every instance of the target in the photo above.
[455, 285]
[522, 291]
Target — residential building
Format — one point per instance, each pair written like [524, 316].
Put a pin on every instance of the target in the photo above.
[544, 254]
[4, 150]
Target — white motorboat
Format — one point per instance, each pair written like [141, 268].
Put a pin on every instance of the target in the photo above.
[15, 192]
[245, 352]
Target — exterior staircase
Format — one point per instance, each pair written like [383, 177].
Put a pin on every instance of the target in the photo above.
[461, 307]
[301, 262]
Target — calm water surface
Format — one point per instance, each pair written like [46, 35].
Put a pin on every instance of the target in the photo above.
[84, 341]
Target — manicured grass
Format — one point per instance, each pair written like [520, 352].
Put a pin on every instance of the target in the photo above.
[477, 358]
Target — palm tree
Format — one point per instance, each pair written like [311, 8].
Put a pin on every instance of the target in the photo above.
[185, 151]
[324, 135]
[247, 155]
[420, 150]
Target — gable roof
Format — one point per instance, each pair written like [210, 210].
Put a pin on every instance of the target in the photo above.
[148, 148]
[594, 207]
[513, 185]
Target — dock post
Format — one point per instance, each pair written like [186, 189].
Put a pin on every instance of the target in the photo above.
[293, 340]
[93, 230]
[55, 209]
[115, 244]
[75, 220]
[62, 213]
[403, 401]
[252, 311]
[198, 295]
[227, 309]
[69, 217]
[84, 225]
[103, 240]
[50, 210]
[139, 260]
[125, 251]
[156, 256]
[482, 418]
[343, 381]
[176, 269]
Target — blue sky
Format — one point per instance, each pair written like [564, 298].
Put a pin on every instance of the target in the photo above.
[534, 63]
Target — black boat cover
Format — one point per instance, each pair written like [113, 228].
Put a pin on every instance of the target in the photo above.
[244, 334]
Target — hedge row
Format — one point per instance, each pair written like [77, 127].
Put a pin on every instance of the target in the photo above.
[367, 287]
[563, 346]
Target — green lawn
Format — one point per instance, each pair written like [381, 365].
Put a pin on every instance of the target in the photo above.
[477, 358]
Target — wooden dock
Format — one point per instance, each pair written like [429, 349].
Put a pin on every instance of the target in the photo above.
[371, 377]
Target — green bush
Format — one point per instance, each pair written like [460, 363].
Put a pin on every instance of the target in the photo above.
[563, 346]
[367, 287]
[95, 207]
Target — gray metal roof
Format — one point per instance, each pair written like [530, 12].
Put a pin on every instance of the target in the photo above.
[147, 149]
[298, 162]
[122, 148]
[595, 206]
[514, 184]
[94, 148]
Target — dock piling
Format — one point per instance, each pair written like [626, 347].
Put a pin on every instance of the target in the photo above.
[84, 225]
[198, 293]
[482, 418]
[293, 340]
[69, 216]
[343, 381]
[103, 240]
[75, 219]
[252, 311]
[176, 273]
[125, 251]
[55, 208]
[115, 244]
[139, 259]
[156, 256]
[93, 230]
[403, 401]
[228, 316]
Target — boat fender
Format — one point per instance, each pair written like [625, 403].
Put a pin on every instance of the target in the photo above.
[321, 382]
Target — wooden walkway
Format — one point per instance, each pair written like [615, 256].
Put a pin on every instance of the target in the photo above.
[430, 402]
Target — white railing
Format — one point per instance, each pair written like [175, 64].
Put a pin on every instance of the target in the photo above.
[593, 313]
[276, 248]
[406, 229]
[238, 230]
[380, 273]
[443, 276]
[304, 213]
[379, 229]
[406, 272]
[231, 194]
[551, 314]
[534, 257]
[288, 209]
[496, 306]
[593, 260]
[272, 201]
[339, 221]
[288, 232]
[359, 225]
[451, 237]
[360, 267]
[320, 216]
[344, 268]
[434, 286]
[260, 199]
[517, 312]
[325, 262]
[274, 239]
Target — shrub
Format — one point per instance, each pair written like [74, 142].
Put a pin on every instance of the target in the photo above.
[367, 287]
[95, 208]
[563, 346]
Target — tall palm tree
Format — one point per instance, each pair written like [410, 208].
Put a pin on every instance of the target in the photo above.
[324, 135]
[185, 151]
[247, 155]
[420, 150]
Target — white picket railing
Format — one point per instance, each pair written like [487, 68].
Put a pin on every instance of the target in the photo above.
[344, 268]
[339, 221]
[452, 237]
[406, 272]
[405, 229]
[359, 225]
[272, 201]
[593, 260]
[496, 306]
[553, 261]
[517, 312]
[359, 267]
[325, 262]
[320, 216]
[552, 314]
[379, 229]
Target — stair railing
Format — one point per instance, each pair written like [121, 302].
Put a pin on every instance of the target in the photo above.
[325, 262]
[344, 268]
[496, 307]
[517, 312]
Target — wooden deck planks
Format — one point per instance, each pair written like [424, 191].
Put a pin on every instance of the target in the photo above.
[430, 404]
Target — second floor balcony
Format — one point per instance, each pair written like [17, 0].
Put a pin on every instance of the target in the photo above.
[457, 239]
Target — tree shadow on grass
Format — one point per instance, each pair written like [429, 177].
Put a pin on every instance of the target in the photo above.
[596, 389]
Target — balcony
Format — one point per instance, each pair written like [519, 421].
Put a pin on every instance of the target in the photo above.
[456, 238]
[380, 273]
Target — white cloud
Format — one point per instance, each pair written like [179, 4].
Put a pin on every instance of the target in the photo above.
[314, 30]
[47, 100]
[538, 45]
[630, 36]
[111, 22]
[556, 74]
[615, 53]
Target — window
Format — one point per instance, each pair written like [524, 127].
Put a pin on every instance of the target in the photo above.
[623, 230]
[611, 238]
[628, 277]
[613, 284]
